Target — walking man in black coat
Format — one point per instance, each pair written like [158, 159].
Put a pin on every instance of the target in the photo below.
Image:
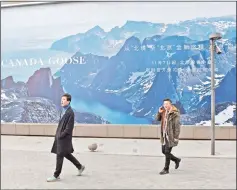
[62, 145]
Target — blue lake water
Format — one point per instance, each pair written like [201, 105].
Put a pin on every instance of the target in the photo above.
[115, 117]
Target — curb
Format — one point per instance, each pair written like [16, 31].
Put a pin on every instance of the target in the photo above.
[143, 155]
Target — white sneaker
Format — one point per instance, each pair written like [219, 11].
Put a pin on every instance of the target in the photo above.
[81, 170]
[53, 179]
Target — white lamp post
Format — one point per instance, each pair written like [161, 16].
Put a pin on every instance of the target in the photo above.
[213, 37]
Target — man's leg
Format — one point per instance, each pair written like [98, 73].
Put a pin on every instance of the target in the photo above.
[176, 160]
[59, 165]
[71, 158]
[76, 163]
[167, 157]
[166, 151]
[163, 149]
[172, 157]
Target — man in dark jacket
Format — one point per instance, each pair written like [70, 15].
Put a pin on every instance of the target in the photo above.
[62, 145]
[170, 129]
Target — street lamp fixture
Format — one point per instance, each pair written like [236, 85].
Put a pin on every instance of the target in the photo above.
[215, 36]
[214, 48]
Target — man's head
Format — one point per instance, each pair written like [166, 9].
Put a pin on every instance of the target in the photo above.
[167, 103]
[66, 99]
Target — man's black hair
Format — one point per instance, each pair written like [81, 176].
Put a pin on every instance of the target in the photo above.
[68, 96]
[168, 100]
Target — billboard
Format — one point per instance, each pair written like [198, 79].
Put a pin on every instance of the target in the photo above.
[118, 60]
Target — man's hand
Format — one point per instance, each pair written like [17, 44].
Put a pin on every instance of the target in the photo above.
[161, 110]
[63, 134]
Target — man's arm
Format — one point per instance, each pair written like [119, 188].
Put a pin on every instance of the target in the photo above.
[69, 126]
[176, 127]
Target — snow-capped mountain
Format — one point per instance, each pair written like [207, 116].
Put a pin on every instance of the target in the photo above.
[37, 110]
[225, 115]
[42, 84]
[28, 110]
[138, 77]
[19, 104]
[129, 81]
[225, 90]
[131, 69]
[99, 42]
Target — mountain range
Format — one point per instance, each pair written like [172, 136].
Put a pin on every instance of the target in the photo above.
[132, 68]
[126, 83]
[37, 102]
[99, 42]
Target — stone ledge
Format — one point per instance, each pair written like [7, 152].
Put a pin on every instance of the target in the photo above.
[118, 131]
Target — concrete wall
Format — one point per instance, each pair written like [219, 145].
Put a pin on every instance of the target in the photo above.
[117, 131]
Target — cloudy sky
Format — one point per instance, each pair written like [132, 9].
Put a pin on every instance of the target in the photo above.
[52, 22]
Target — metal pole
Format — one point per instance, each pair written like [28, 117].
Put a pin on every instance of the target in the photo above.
[212, 99]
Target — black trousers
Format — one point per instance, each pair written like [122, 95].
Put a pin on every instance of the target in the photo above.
[166, 150]
[59, 163]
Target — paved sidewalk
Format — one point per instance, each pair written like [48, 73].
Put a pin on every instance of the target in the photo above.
[142, 147]
[26, 163]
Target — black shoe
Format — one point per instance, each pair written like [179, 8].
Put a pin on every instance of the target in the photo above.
[164, 171]
[177, 163]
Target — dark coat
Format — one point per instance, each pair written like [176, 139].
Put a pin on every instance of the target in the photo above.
[63, 138]
[173, 126]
